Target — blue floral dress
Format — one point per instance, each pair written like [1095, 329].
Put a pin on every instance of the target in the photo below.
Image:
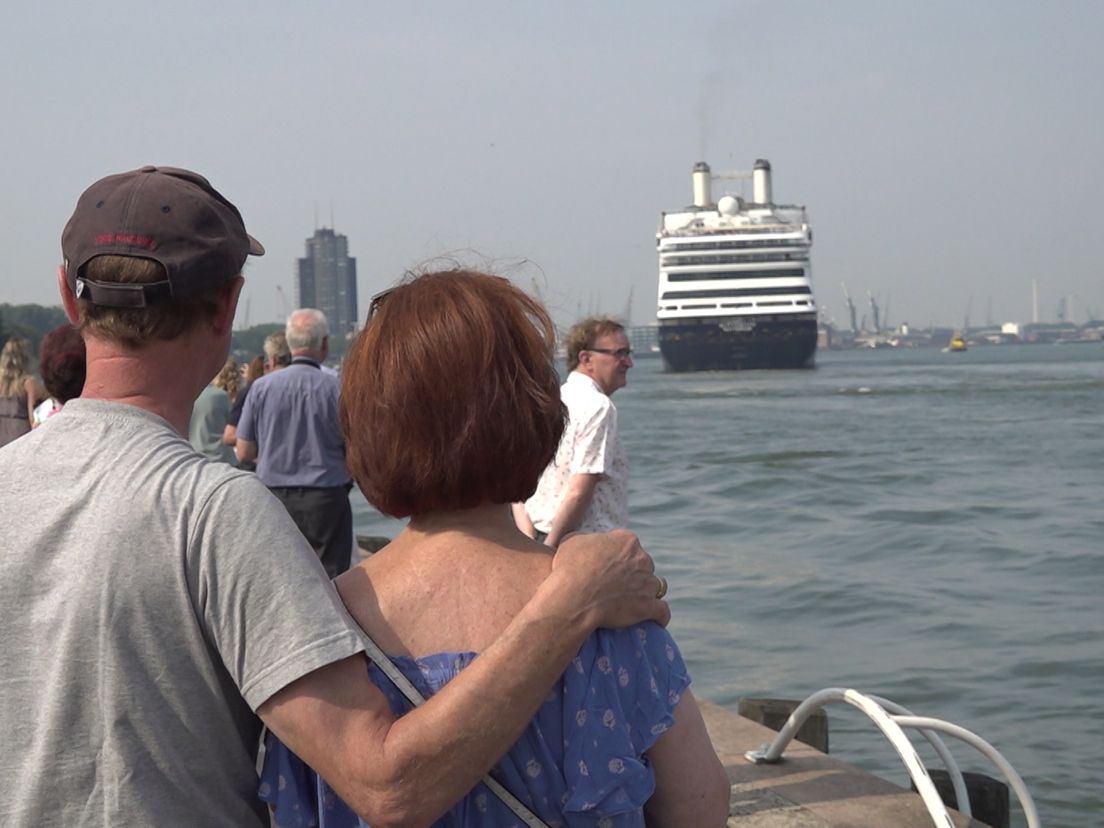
[580, 761]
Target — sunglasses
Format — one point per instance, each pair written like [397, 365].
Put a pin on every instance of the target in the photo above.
[375, 302]
[620, 353]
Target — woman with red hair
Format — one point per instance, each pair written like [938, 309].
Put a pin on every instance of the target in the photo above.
[62, 363]
[450, 407]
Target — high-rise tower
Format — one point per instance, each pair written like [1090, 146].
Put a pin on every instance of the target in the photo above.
[326, 279]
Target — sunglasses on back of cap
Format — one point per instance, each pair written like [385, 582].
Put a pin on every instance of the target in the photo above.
[375, 302]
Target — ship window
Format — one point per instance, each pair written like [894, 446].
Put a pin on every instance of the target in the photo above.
[669, 259]
[738, 244]
[709, 275]
[736, 304]
[773, 304]
[734, 292]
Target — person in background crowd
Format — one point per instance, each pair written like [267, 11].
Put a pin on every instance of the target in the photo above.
[586, 486]
[62, 363]
[20, 392]
[252, 369]
[210, 413]
[158, 607]
[276, 356]
[256, 367]
[450, 404]
[208, 422]
[229, 379]
[289, 428]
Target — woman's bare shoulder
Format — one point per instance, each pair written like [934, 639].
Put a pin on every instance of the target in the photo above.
[469, 593]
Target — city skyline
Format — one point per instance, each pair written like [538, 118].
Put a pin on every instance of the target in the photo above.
[946, 152]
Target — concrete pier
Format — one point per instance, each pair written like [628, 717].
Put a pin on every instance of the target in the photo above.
[808, 789]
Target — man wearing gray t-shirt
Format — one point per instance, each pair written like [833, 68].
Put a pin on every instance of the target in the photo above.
[155, 608]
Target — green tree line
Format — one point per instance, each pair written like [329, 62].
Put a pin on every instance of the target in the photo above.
[29, 321]
[32, 322]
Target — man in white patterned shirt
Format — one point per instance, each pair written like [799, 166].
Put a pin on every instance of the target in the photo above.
[585, 487]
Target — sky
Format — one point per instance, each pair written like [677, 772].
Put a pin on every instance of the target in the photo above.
[948, 153]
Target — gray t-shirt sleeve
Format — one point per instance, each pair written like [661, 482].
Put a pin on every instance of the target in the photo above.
[261, 593]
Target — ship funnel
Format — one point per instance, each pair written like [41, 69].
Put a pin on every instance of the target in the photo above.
[702, 195]
[761, 182]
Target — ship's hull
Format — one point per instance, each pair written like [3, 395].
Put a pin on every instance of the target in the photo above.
[732, 343]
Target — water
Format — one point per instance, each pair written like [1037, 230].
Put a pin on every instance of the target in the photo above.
[919, 525]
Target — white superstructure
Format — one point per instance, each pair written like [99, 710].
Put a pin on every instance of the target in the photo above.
[732, 258]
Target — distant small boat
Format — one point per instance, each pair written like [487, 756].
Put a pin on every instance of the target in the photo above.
[957, 343]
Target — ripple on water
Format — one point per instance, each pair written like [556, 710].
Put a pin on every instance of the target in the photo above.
[935, 540]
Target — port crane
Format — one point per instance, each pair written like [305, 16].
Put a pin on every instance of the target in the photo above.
[874, 312]
[850, 309]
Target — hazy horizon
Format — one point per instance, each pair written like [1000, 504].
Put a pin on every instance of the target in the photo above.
[945, 152]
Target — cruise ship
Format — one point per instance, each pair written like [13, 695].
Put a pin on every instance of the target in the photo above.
[734, 280]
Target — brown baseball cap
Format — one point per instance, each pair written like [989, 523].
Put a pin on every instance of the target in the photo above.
[172, 216]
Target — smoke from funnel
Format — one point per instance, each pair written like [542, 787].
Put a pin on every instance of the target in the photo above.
[709, 100]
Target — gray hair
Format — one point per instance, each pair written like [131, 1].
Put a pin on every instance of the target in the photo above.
[306, 328]
[276, 348]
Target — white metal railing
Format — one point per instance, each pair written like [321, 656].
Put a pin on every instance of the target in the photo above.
[890, 719]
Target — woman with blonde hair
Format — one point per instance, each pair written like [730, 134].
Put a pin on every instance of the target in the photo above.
[450, 405]
[20, 392]
[229, 379]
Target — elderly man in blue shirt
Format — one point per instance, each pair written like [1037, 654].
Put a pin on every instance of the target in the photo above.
[289, 427]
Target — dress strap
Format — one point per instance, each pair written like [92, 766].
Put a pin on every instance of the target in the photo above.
[415, 698]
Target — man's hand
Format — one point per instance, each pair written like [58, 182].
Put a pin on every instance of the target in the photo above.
[245, 450]
[610, 579]
[522, 520]
[573, 508]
